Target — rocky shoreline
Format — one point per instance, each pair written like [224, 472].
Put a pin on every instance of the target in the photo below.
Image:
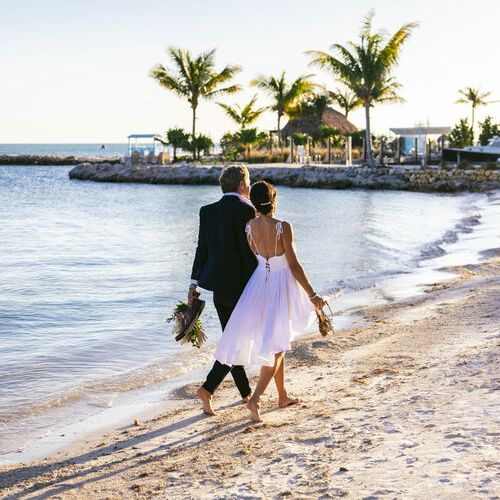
[430, 179]
[57, 160]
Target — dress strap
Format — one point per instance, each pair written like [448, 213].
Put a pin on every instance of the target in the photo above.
[248, 231]
[279, 232]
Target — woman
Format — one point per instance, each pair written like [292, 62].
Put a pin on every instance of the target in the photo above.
[277, 303]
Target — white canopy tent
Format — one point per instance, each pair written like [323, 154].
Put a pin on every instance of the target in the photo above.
[421, 132]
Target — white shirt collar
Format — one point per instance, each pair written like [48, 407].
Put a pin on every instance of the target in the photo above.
[242, 198]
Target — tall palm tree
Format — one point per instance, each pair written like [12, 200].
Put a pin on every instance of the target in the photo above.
[245, 115]
[346, 99]
[195, 78]
[365, 67]
[286, 96]
[476, 98]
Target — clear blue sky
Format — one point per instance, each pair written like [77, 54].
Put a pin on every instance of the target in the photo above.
[77, 71]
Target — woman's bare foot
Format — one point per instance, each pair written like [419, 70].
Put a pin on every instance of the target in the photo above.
[287, 401]
[206, 400]
[254, 409]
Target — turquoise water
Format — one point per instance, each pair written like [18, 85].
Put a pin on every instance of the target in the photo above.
[85, 149]
[89, 272]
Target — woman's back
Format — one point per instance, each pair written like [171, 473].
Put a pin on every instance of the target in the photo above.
[264, 236]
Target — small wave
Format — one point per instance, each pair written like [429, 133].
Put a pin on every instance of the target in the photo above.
[435, 248]
[102, 393]
[362, 282]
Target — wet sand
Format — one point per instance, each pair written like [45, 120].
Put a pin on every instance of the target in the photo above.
[406, 407]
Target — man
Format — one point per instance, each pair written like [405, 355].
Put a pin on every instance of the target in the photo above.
[223, 264]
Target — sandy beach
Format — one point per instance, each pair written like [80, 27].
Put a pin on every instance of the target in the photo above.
[403, 408]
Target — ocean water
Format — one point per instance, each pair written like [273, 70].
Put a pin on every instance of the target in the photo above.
[90, 271]
[84, 149]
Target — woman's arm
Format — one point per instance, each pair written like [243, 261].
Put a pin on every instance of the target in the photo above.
[295, 266]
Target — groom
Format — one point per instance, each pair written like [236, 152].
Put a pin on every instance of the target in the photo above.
[223, 264]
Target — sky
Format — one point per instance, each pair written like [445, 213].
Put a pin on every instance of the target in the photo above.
[77, 71]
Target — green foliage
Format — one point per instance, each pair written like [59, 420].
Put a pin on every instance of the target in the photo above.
[365, 67]
[286, 96]
[300, 139]
[178, 139]
[313, 104]
[324, 133]
[475, 98]
[248, 138]
[245, 115]
[198, 144]
[242, 142]
[230, 146]
[488, 130]
[196, 336]
[346, 99]
[194, 78]
[461, 134]
[357, 138]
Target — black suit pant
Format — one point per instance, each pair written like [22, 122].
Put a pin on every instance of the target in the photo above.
[224, 306]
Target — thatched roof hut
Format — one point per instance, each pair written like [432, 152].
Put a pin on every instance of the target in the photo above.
[308, 124]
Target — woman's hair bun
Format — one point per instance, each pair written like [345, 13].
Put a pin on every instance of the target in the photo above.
[263, 197]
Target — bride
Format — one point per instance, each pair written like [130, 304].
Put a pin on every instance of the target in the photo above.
[277, 304]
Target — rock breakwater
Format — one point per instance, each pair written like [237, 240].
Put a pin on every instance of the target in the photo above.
[434, 179]
[56, 160]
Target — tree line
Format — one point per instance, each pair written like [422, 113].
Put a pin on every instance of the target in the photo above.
[364, 68]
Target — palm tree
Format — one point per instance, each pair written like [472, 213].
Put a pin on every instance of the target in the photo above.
[476, 98]
[313, 104]
[195, 78]
[286, 96]
[346, 99]
[365, 67]
[178, 139]
[245, 115]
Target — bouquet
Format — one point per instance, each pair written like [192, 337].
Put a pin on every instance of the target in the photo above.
[187, 326]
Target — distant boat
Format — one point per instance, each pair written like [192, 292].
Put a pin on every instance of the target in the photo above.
[103, 147]
[490, 152]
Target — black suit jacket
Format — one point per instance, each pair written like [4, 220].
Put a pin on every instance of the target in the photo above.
[224, 262]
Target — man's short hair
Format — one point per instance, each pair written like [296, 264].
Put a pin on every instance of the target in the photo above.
[231, 177]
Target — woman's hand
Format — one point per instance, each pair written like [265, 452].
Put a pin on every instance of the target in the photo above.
[317, 301]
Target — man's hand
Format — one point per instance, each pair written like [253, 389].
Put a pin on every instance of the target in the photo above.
[192, 293]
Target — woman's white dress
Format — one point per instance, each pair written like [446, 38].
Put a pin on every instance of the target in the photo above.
[272, 310]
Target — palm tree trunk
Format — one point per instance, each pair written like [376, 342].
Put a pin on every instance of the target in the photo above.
[472, 124]
[368, 136]
[279, 130]
[175, 154]
[193, 135]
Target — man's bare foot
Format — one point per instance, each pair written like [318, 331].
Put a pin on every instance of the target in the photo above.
[254, 409]
[206, 400]
[287, 401]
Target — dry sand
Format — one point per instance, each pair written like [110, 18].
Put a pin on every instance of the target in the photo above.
[405, 408]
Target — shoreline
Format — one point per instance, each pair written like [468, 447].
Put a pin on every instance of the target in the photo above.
[304, 449]
[428, 179]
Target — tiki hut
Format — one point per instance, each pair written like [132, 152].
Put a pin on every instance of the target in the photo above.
[308, 124]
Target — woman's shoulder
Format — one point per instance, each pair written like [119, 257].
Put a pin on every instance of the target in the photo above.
[287, 226]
